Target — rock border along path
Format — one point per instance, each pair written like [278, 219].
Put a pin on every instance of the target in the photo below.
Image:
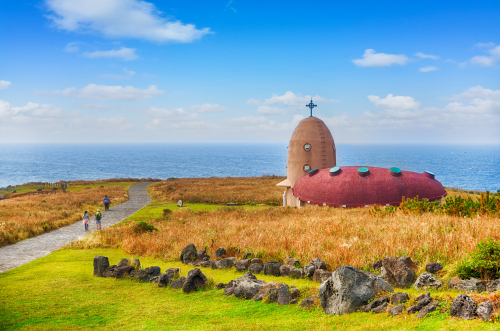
[28, 250]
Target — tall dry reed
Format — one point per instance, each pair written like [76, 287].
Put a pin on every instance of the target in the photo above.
[29, 216]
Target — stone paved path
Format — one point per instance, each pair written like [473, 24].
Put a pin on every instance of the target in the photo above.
[25, 251]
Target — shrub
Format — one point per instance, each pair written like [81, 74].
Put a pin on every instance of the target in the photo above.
[143, 227]
[483, 262]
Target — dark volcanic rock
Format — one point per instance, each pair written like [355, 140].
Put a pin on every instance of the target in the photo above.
[228, 290]
[273, 294]
[248, 286]
[463, 307]
[309, 301]
[220, 252]
[318, 263]
[188, 254]
[164, 280]
[195, 279]
[296, 273]
[412, 310]
[123, 263]
[147, 274]
[172, 272]
[321, 275]
[399, 297]
[398, 271]
[242, 265]
[295, 293]
[257, 260]
[272, 268]
[423, 302]
[377, 265]
[485, 310]
[202, 255]
[433, 267]
[284, 295]
[225, 263]
[110, 271]
[256, 268]
[348, 289]
[123, 271]
[220, 286]
[375, 304]
[471, 285]
[205, 264]
[285, 270]
[426, 281]
[493, 286]
[396, 310]
[425, 310]
[292, 262]
[101, 263]
[178, 283]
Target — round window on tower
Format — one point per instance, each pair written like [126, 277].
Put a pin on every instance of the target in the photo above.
[307, 147]
[307, 168]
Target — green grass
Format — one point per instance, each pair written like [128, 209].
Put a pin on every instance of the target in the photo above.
[58, 292]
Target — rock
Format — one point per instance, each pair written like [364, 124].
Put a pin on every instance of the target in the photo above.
[252, 261]
[296, 273]
[423, 302]
[273, 294]
[248, 288]
[172, 272]
[308, 270]
[110, 271]
[295, 293]
[205, 264]
[123, 263]
[242, 265]
[272, 268]
[188, 254]
[433, 267]
[293, 302]
[375, 304]
[292, 262]
[348, 289]
[220, 252]
[453, 282]
[412, 310]
[164, 280]
[147, 274]
[121, 272]
[471, 285]
[399, 272]
[284, 295]
[425, 310]
[380, 309]
[178, 283]
[220, 286]
[485, 310]
[321, 275]
[179, 203]
[309, 301]
[202, 254]
[399, 297]
[420, 297]
[264, 291]
[255, 268]
[101, 263]
[228, 290]
[318, 263]
[493, 286]
[377, 265]
[213, 264]
[285, 270]
[427, 280]
[195, 263]
[371, 274]
[136, 263]
[396, 310]
[225, 263]
[195, 279]
[463, 307]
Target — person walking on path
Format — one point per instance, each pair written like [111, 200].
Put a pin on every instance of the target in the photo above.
[106, 202]
[98, 217]
[86, 221]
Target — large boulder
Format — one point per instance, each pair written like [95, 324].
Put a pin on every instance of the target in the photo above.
[284, 295]
[164, 280]
[296, 273]
[485, 310]
[348, 289]
[248, 286]
[272, 268]
[242, 265]
[188, 254]
[256, 268]
[398, 271]
[121, 272]
[101, 263]
[426, 281]
[471, 285]
[110, 271]
[147, 274]
[178, 283]
[225, 263]
[195, 279]
[493, 286]
[321, 275]
[433, 267]
[463, 307]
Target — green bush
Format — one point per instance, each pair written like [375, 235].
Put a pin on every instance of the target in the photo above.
[483, 262]
[143, 227]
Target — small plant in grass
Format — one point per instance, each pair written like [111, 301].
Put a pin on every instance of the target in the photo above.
[483, 262]
[143, 227]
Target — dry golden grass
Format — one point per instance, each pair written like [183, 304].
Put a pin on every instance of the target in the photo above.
[28, 216]
[339, 237]
[219, 190]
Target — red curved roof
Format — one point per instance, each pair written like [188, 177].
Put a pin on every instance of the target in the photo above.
[380, 186]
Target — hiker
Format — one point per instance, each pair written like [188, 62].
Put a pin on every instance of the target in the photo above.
[86, 221]
[106, 202]
[98, 217]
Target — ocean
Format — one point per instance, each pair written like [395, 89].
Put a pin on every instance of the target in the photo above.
[468, 167]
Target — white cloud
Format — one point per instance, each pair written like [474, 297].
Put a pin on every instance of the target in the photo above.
[487, 60]
[427, 69]
[373, 59]
[397, 102]
[484, 45]
[163, 112]
[121, 19]
[479, 92]
[123, 53]
[253, 102]
[427, 56]
[208, 108]
[72, 47]
[4, 84]
[293, 100]
[127, 74]
[105, 92]
[98, 106]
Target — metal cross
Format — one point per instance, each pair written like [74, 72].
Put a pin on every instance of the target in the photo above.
[311, 105]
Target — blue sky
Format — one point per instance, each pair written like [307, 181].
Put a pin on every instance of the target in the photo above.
[219, 71]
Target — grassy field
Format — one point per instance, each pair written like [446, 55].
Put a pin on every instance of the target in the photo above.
[28, 216]
[58, 292]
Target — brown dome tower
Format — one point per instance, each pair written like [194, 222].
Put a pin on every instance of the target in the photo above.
[311, 147]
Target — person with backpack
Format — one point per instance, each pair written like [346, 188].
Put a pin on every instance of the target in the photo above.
[98, 217]
[106, 202]
[85, 220]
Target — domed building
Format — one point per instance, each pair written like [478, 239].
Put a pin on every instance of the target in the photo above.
[313, 177]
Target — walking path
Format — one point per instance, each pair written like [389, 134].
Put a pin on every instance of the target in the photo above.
[28, 250]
